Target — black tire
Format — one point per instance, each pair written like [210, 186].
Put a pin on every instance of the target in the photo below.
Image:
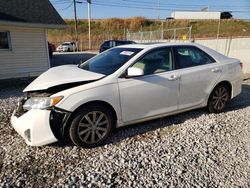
[81, 130]
[218, 99]
[68, 50]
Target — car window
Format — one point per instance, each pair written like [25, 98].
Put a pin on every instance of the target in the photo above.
[118, 43]
[188, 56]
[130, 42]
[157, 61]
[106, 43]
[109, 61]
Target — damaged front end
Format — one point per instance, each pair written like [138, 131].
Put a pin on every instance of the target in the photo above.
[37, 118]
[58, 118]
[38, 102]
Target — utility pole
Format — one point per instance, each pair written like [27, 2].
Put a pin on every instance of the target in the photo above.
[158, 9]
[76, 25]
[89, 19]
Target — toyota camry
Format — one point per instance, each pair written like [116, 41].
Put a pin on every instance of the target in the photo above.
[122, 86]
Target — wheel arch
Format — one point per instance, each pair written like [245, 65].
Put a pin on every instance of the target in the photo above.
[224, 82]
[95, 102]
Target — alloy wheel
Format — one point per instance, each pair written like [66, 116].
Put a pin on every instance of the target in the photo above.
[220, 98]
[93, 127]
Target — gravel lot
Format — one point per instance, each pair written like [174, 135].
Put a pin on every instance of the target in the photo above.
[193, 149]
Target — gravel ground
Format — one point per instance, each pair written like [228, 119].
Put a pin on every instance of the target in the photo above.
[193, 149]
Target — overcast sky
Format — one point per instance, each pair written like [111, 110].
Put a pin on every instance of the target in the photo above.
[149, 8]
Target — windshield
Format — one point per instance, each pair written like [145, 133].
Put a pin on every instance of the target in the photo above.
[108, 62]
[65, 44]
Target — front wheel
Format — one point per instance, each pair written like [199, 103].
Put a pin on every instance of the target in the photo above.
[218, 99]
[91, 126]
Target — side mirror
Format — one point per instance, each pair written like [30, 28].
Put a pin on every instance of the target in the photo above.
[133, 72]
[80, 62]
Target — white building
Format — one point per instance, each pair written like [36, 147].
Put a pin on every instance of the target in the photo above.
[23, 36]
[195, 15]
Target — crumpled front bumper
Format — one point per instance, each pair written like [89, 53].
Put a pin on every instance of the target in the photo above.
[34, 127]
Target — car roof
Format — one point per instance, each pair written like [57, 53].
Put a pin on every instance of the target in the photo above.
[149, 46]
[156, 45]
[118, 41]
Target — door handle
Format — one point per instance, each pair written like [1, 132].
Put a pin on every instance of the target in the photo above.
[173, 77]
[216, 70]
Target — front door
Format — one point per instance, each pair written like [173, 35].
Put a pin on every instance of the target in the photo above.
[154, 93]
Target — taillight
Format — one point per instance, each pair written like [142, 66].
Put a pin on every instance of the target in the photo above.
[241, 65]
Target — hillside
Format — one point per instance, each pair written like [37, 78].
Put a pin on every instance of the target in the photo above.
[115, 28]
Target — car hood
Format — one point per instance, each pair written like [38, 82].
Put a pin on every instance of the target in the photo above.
[59, 76]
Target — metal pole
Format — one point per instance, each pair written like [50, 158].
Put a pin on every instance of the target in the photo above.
[150, 34]
[124, 33]
[190, 32]
[141, 34]
[218, 33]
[76, 26]
[162, 30]
[158, 9]
[124, 30]
[89, 19]
[175, 35]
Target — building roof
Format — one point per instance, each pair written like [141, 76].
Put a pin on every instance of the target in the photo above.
[37, 13]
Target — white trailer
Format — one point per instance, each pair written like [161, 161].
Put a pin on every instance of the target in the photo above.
[195, 15]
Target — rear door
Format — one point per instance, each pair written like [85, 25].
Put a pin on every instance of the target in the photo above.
[199, 72]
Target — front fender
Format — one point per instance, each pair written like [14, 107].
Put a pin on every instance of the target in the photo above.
[107, 93]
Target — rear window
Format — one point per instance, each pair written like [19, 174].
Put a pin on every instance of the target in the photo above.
[105, 43]
[190, 56]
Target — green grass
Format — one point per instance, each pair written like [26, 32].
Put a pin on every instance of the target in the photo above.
[113, 28]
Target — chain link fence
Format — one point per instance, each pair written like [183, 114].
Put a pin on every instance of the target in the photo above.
[175, 34]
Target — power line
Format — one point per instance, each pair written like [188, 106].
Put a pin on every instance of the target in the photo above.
[130, 6]
[146, 5]
[67, 7]
[99, 3]
[173, 6]
[183, 5]
[163, 6]
[61, 2]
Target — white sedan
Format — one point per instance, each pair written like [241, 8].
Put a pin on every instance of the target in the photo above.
[66, 47]
[121, 86]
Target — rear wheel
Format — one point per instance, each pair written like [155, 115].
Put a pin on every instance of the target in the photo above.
[91, 126]
[218, 99]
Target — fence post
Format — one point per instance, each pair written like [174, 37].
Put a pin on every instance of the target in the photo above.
[150, 33]
[218, 33]
[175, 34]
[190, 32]
[162, 30]
[141, 36]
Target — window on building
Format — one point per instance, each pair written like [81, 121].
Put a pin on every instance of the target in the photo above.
[4, 40]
